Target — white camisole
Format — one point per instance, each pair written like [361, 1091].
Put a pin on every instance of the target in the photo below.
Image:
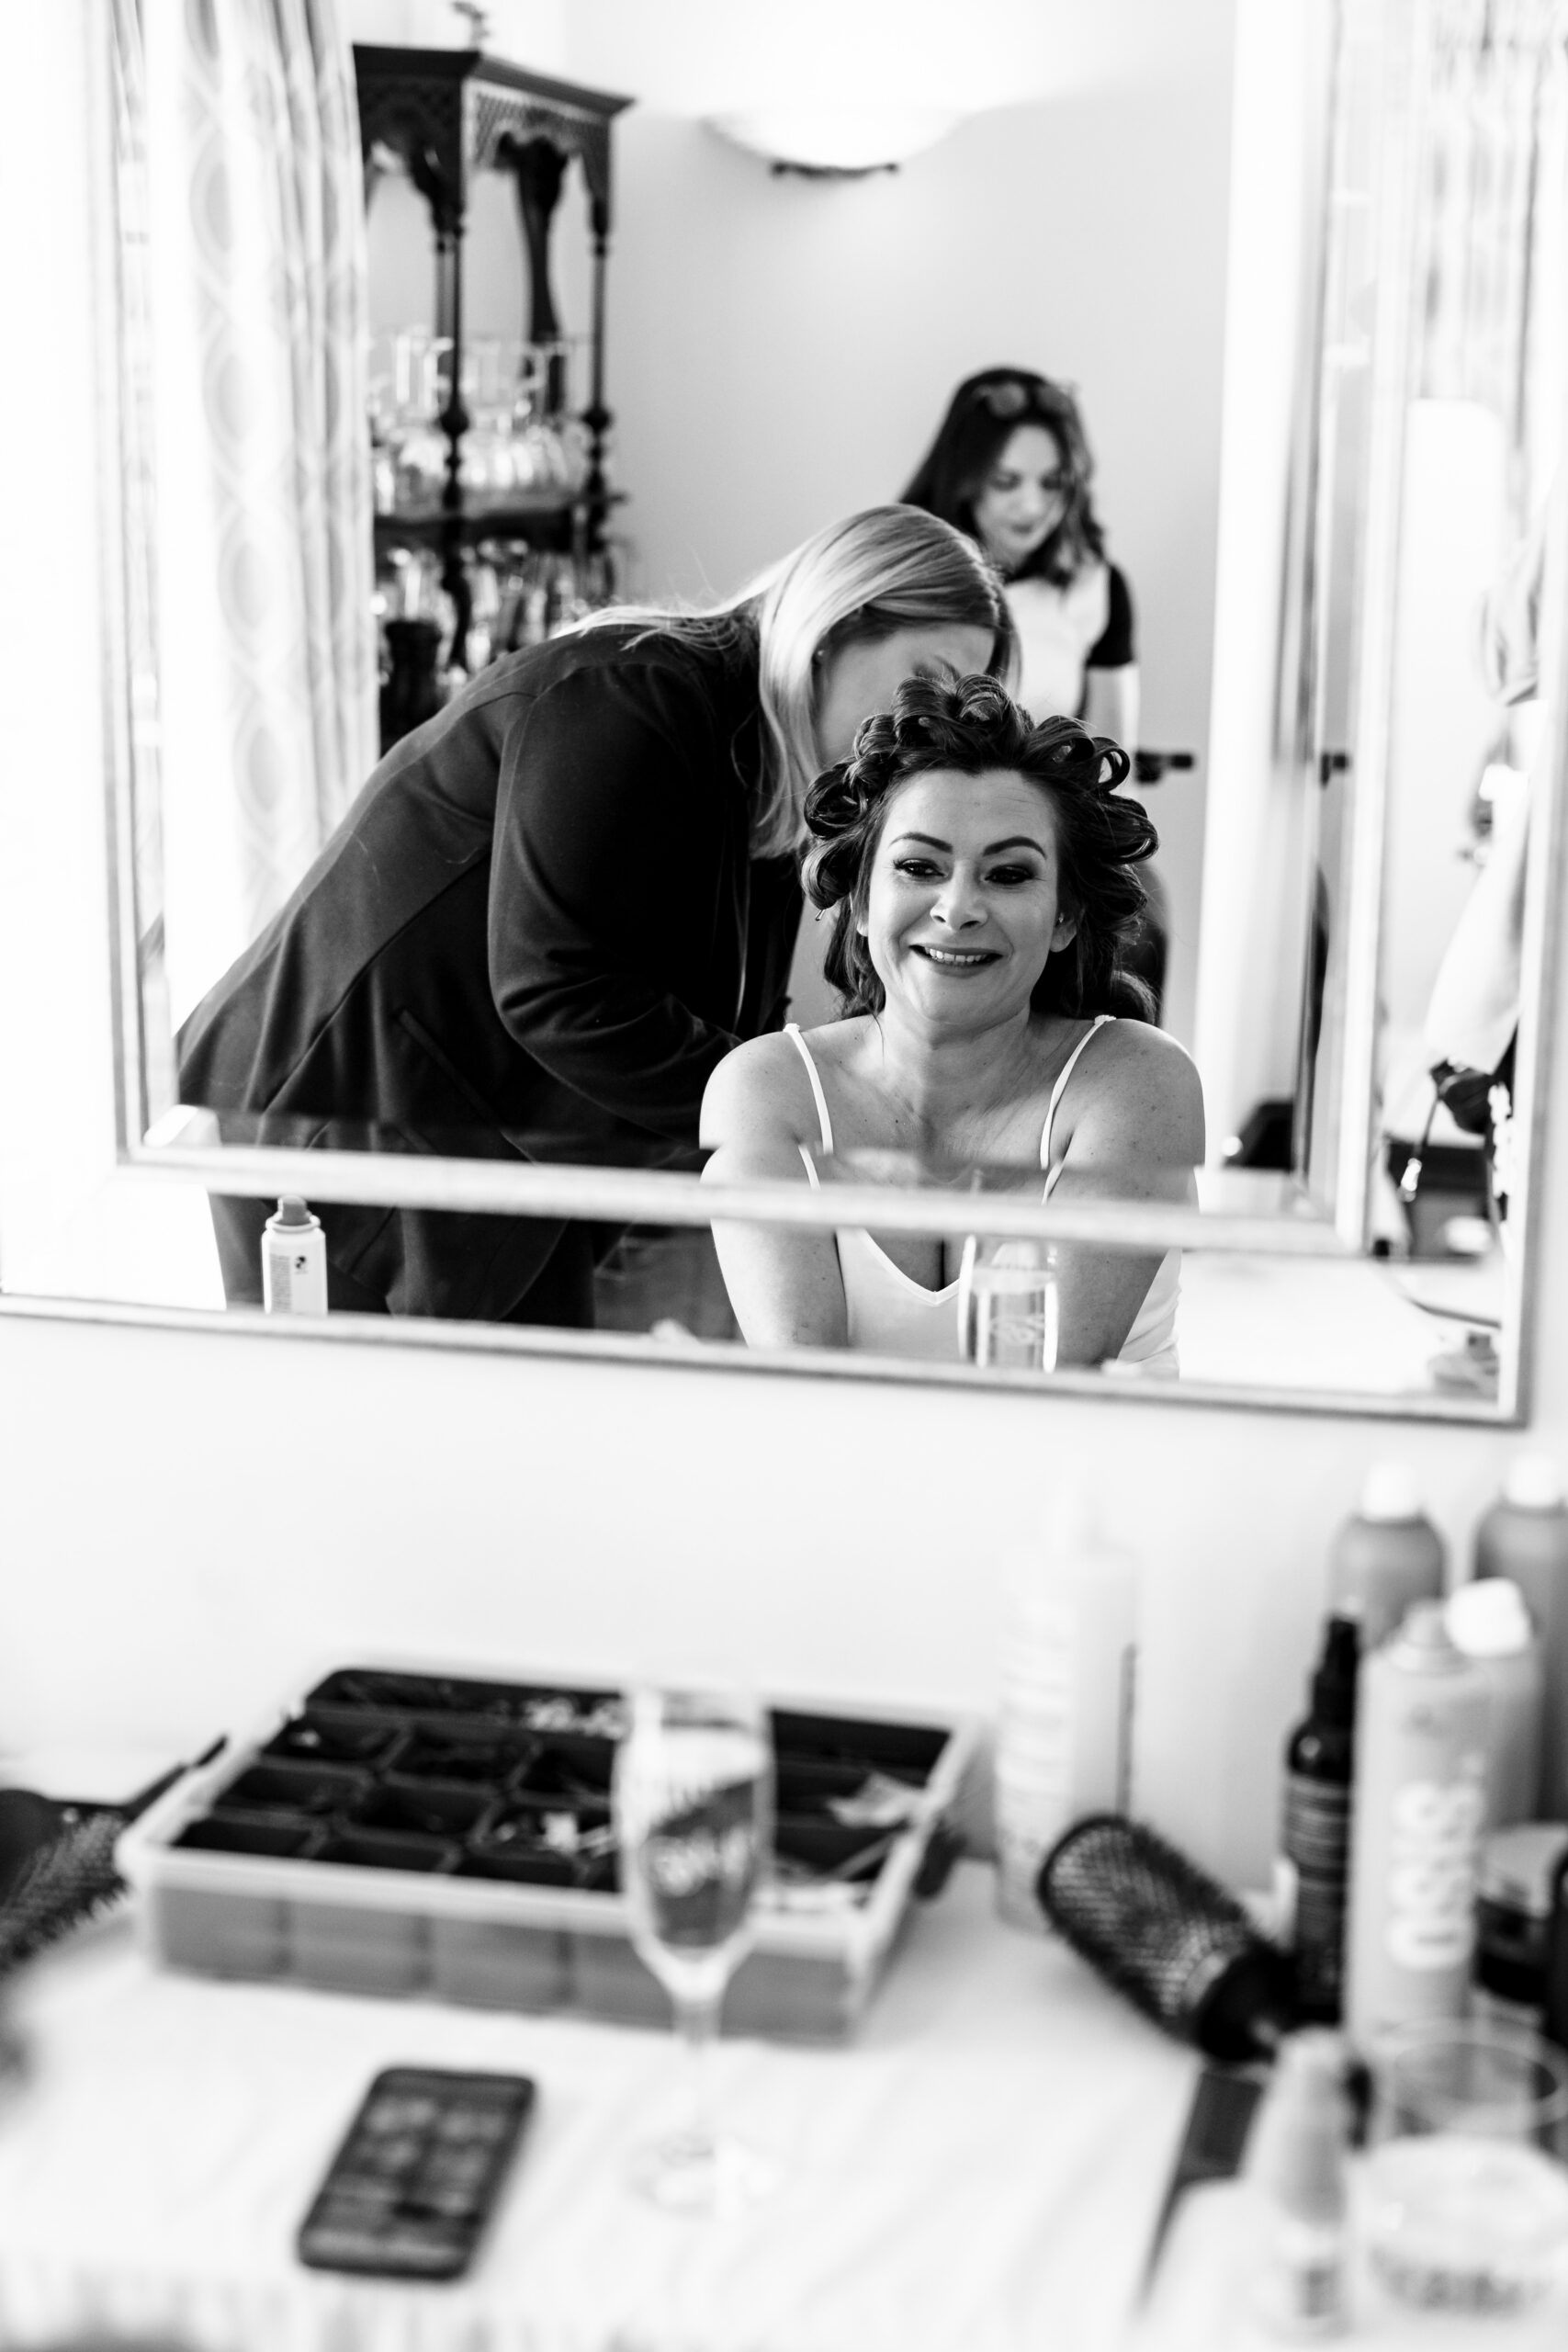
[890, 1314]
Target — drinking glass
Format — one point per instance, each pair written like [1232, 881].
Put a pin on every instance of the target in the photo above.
[1463, 2205]
[692, 1796]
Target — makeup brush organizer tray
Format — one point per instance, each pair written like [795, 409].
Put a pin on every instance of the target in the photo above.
[393, 1830]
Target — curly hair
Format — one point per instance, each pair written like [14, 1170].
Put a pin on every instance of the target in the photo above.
[982, 417]
[973, 726]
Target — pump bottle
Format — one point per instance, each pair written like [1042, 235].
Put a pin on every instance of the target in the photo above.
[294, 1261]
[1524, 1536]
[1387, 1554]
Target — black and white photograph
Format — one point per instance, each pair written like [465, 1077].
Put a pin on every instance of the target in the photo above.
[783, 1176]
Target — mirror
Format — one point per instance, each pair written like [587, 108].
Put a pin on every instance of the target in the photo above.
[1300, 956]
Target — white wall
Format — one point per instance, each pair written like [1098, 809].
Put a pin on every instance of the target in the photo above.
[780, 351]
[186, 1520]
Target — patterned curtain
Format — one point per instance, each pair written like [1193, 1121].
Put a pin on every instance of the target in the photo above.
[264, 503]
[1496, 128]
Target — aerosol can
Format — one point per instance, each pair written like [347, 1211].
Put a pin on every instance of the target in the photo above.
[1418, 1819]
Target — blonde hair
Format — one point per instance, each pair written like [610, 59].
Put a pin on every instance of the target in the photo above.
[883, 570]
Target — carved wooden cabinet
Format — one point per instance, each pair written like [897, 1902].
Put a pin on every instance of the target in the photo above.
[445, 115]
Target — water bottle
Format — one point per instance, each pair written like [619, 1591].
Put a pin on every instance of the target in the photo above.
[1008, 1305]
[1488, 1621]
[1418, 1813]
[1064, 1728]
[1387, 1554]
[1524, 1536]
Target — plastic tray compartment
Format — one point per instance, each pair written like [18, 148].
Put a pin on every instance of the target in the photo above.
[398, 1829]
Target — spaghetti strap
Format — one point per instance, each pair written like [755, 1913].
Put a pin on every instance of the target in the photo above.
[1057, 1092]
[792, 1030]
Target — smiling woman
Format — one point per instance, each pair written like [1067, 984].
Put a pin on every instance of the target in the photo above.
[981, 875]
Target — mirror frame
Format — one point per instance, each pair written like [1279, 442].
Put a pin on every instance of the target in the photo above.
[663, 1198]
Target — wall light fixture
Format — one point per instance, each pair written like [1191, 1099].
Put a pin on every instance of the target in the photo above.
[836, 142]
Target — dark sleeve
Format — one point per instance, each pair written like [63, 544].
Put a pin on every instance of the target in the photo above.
[615, 916]
[1117, 645]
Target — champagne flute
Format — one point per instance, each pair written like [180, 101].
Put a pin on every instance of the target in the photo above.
[693, 1818]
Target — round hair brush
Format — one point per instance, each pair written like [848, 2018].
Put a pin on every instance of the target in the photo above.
[1175, 1942]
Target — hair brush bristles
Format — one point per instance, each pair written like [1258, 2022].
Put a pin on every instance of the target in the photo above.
[1165, 1934]
[68, 1878]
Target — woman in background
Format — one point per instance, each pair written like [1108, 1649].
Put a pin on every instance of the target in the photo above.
[1011, 465]
[556, 907]
[981, 875]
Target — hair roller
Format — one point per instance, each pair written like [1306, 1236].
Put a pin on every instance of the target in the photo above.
[970, 725]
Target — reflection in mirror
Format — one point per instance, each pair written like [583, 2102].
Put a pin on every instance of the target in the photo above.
[1277, 992]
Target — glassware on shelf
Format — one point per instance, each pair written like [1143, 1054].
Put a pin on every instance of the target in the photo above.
[419, 444]
[694, 1803]
[540, 458]
[488, 465]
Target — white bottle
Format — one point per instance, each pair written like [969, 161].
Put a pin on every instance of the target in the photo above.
[1064, 1728]
[294, 1261]
[1296, 2165]
[1488, 1621]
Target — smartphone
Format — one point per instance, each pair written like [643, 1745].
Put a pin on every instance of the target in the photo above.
[410, 2191]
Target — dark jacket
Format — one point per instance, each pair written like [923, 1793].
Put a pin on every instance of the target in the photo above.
[535, 933]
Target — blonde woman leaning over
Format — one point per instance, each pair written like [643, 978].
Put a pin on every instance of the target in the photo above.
[554, 909]
[981, 875]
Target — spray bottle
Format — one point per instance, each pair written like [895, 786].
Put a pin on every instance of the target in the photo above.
[294, 1261]
[1387, 1554]
[1064, 1729]
[1296, 2163]
[1420, 1810]
[1524, 1536]
[1315, 1831]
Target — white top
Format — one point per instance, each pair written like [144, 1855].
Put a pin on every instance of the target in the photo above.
[891, 1314]
[1056, 628]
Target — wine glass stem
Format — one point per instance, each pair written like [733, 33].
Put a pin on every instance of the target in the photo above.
[696, 2022]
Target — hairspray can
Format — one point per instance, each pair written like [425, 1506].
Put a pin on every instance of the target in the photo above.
[294, 1261]
[1418, 1813]
[1488, 1621]
[1524, 1536]
[1386, 1555]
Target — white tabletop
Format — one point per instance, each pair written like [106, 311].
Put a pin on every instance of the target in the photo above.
[981, 2168]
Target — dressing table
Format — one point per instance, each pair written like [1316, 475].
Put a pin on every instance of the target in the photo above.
[981, 2167]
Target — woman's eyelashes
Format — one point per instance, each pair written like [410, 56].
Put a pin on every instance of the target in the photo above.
[925, 869]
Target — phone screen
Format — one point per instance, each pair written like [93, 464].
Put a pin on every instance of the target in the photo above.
[409, 2192]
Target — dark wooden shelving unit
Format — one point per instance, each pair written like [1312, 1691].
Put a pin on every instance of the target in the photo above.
[446, 114]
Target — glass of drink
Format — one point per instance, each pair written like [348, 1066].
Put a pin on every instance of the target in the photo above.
[693, 1806]
[1463, 2202]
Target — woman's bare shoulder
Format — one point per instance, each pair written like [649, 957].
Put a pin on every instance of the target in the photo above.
[1136, 1072]
[1138, 1044]
[763, 1077]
